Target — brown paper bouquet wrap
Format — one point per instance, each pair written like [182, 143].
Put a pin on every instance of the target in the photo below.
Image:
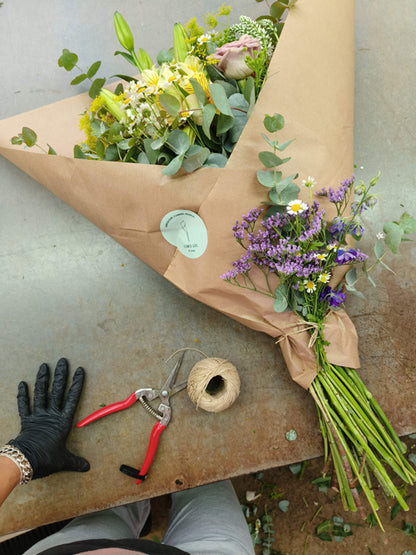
[310, 81]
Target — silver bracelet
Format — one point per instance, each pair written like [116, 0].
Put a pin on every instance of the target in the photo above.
[14, 454]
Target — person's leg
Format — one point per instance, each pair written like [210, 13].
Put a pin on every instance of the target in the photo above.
[208, 520]
[126, 521]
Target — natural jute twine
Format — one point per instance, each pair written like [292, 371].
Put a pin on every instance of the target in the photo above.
[213, 384]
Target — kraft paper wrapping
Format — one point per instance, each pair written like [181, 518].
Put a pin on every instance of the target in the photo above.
[310, 82]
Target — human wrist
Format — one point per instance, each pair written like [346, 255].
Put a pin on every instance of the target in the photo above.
[15, 455]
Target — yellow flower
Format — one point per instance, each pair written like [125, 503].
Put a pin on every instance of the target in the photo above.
[85, 126]
[150, 78]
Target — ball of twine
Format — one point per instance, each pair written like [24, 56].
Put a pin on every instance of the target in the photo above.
[213, 384]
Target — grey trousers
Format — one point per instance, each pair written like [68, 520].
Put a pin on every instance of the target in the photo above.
[206, 520]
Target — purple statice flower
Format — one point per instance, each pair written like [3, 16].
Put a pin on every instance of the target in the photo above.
[337, 195]
[350, 255]
[247, 221]
[334, 298]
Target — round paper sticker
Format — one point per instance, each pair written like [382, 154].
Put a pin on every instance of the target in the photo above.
[185, 230]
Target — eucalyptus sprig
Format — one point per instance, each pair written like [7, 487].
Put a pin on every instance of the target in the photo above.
[69, 60]
[29, 138]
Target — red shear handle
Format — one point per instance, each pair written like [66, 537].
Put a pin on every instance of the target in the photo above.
[151, 450]
[131, 399]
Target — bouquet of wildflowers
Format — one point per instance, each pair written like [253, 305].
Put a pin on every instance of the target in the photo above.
[299, 253]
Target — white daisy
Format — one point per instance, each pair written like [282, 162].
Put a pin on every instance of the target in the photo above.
[324, 277]
[310, 286]
[296, 207]
[310, 182]
[320, 256]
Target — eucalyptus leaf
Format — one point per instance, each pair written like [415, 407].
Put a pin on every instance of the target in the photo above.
[178, 141]
[280, 304]
[142, 158]
[151, 153]
[174, 165]
[287, 181]
[216, 160]
[220, 99]
[284, 505]
[29, 136]
[165, 56]
[393, 235]
[284, 145]
[95, 88]
[291, 435]
[199, 92]
[267, 178]
[67, 60]
[351, 276]
[111, 153]
[285, 195]
[78, 152]
[79, 79]
[170, 104]
[354, 291]
[195, 158]
[295, 468]
[16, 140]
[100, 149]
[51, 150]
[92, 70]
[274, 123]
[224, 123]
[387, 267]
[378, 248]
[208, 114]
[407, 223]
[270, 160]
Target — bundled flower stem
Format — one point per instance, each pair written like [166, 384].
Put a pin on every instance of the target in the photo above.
[294, 243]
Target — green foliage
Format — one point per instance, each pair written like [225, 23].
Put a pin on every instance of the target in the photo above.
[334, 529]
[69, 60]
[409, 529]
[29, 138]
[282, 190]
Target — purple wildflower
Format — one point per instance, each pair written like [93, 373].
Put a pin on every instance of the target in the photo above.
[332, 297]
[351, 255]
[337, 228]
[337, 196]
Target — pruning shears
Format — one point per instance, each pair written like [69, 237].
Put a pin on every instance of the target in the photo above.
[163, 414]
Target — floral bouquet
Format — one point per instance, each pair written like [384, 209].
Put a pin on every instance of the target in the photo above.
[185, 216]
[301, 257]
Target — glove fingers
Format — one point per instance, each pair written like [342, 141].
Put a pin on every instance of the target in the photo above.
[59, 384]
[41, 388]
[76, 464]
[23, 400]
[74, 393]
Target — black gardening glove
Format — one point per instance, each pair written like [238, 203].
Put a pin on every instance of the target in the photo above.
[44, 430]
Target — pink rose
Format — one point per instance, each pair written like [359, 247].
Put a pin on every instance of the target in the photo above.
[232, 56]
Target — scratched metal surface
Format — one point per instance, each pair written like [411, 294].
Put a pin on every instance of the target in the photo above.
[68, 290]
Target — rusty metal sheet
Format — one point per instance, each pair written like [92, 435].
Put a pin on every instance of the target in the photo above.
[68, 290]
